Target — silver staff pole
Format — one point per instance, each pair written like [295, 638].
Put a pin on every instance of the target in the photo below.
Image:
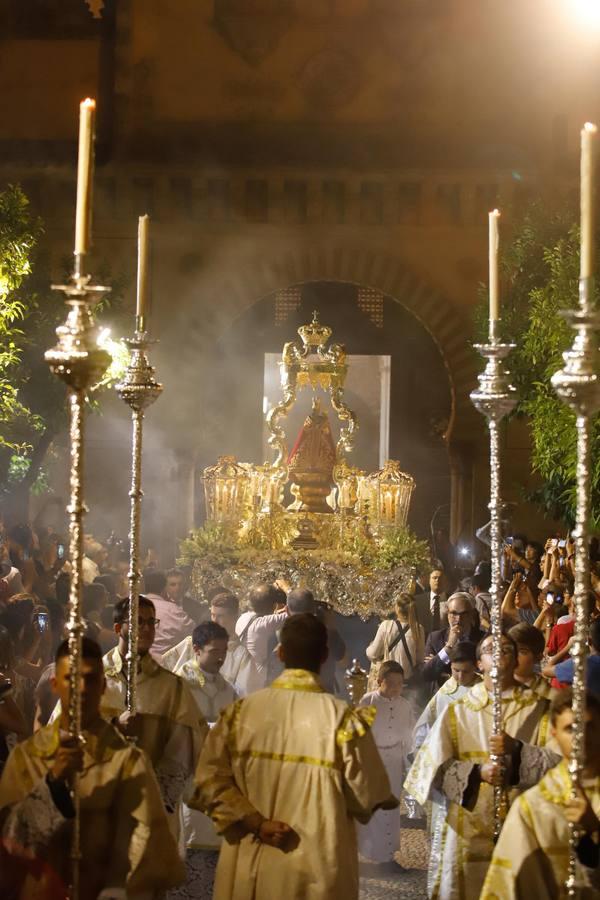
[578, 385]
[80, 363]
[495, 398]
[139, 390]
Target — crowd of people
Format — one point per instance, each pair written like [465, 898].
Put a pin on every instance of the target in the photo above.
[245, 772]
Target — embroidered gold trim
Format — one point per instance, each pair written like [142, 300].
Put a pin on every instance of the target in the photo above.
[355, 723]
[435, 891]
[285, 757]
[298, 680]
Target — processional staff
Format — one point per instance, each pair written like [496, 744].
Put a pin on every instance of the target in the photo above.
[495, 398]
[578, 385]
[79, 362]
[139, 390]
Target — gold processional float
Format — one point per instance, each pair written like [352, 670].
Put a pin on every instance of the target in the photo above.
[309, 518]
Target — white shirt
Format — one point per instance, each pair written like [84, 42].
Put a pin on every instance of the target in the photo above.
[387, 633]
[239, 669]
[256, 631]
[441, 597]
[89, 569]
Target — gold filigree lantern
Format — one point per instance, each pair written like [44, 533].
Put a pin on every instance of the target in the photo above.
[226, 489]
[388, 492]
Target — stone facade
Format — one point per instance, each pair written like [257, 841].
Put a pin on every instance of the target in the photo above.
[284, 142]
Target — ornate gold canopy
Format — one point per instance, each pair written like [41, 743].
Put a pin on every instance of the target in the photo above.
[249, 498]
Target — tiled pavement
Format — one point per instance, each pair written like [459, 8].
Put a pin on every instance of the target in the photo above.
[376, 885]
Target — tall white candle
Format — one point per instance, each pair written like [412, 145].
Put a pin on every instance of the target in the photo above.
[142, 272]
[494, 240]
[588, 147]
[85, 175]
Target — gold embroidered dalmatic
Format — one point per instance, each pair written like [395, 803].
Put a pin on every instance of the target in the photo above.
[531, 857]
[299, 755]
[125, 837]
[462, 839]
[172, 728]
[449, 692]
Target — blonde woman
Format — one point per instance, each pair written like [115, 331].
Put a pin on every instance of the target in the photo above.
[401, 639]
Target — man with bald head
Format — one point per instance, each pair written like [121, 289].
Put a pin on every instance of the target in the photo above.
[255, 627]
[462, 626]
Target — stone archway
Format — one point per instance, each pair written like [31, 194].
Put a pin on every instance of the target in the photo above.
[265, 272]
[361, 265]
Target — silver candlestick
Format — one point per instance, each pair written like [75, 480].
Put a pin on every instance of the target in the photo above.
[80, 363]
[578, 385]
[495, 398]
[139, 390]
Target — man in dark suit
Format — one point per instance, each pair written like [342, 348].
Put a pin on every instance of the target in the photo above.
[431, 606]
[462, 626]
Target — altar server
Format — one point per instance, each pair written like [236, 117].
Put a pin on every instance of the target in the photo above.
[127, 849]
[463, 665]
[531, 856]
[392, 729]
[212, 694]
[453, 769]
[238, 669]
[167, 724]
[283, 774]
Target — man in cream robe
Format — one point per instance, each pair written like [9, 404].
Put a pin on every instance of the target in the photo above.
[168, 725]
[212, 694]
[463, 666]
[531, 857]
[126, 847]
[283, 774]
[453, 769]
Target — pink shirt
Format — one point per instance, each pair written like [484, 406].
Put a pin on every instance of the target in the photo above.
[175, 625]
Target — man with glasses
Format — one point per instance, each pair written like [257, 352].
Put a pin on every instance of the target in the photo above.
[462, 626]
[167, 724]
[453, 769]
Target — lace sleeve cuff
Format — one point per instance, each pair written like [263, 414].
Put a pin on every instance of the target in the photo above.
[32, 822]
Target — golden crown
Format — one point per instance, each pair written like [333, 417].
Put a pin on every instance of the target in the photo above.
[315, 335]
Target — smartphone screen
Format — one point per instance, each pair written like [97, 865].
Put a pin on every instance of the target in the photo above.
[42, 620]
[60, 551]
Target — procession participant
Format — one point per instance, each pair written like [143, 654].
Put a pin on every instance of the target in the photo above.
[463, 665]
[532, 853]
[175, 622]
[453, 769]
[530, 650]
[212, 694]
[238, 669]
[378, 840]
[176, 591]
[302, 600]
[167, 724]
[202, 673]
[255, 627]
[126, 846]
[283, 774]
